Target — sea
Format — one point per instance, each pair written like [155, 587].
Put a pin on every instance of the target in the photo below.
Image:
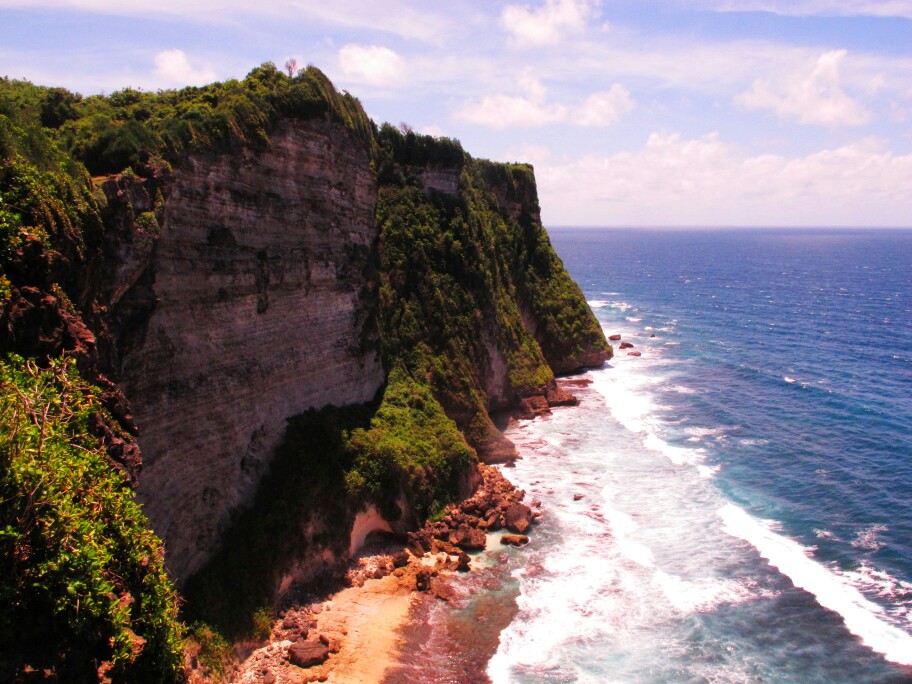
[734, 504]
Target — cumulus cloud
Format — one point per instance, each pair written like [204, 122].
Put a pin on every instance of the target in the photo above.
[174, 69]
[548, 24]
[371, 64]
[604, 108]
[811, 95]
[532, 108]
[704, 181]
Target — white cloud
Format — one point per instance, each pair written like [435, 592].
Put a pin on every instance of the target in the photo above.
[506, 111]
[532, 109]
[836, 8]
[548, 24]
[811, 95]
[390, 16]
[174, 69]
[605, 108]
[433, 130]
[371, 64]
[704, 181]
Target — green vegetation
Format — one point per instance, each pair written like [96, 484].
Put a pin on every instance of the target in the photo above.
[331, 463]
[132, 128]
[82, 579]
[461, 282]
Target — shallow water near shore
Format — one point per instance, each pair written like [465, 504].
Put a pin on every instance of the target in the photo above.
[733, 505]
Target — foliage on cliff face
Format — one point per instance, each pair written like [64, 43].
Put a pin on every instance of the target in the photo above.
[459, 273]
[468, 288]
[132, 128]
[83, 589]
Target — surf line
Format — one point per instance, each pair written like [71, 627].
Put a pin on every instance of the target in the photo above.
[861, 616]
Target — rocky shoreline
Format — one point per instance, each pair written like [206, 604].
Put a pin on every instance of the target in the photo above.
[351, 635]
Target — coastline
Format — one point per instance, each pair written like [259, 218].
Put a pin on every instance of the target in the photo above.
[406, 599]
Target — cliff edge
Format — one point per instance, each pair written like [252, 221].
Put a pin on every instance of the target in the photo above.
[299, 325]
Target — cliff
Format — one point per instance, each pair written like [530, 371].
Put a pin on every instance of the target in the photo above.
[255, 283]
[303, 323]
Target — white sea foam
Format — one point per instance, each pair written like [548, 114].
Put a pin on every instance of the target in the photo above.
[867, 538]
[597, 303]
[882, 584]
[678, 455]
[862, 617]
[680, 389]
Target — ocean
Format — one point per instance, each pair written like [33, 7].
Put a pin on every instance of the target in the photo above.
[734, 504]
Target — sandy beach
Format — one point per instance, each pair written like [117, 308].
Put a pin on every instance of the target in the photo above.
[359, 625]
[355, 635]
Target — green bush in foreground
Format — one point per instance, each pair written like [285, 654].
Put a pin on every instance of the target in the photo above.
[83, 590]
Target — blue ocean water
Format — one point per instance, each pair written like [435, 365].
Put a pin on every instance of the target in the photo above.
[734, 504]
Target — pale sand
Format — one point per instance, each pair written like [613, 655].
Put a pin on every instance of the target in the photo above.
[372, 616]
[364, 620]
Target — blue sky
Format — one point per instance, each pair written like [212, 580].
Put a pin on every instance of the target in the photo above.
[634, 113]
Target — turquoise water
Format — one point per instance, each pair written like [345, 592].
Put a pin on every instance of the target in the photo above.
[746, 510]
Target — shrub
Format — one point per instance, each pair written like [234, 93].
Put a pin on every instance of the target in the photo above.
[82, 579]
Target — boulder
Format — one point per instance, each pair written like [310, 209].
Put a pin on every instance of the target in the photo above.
[577, 497]
[468, 538]
[626, 345]
[514, 539]
[615, 337]
[308, 652]
[633, 353]
[463, 562]
[518, 517]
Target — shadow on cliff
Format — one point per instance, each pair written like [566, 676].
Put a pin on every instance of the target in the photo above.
[301, 510]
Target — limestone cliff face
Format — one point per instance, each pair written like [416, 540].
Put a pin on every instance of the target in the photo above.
[245, 310]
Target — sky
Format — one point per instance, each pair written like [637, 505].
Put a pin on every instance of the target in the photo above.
[633, 112]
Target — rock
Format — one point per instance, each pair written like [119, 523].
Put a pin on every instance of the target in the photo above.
[468, 538]
[577, 497]
[558, 396]
[518, 517]
[633, 353]
[463, 562]
[308, 652]
[653, 335]
[529, 407]
[401, 559]
[423, 579]
[615, 337]
[514, 539]
[332, 640]
[626, 345]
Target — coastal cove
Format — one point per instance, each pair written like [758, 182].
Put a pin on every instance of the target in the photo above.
[287, 395]
[727, 506]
